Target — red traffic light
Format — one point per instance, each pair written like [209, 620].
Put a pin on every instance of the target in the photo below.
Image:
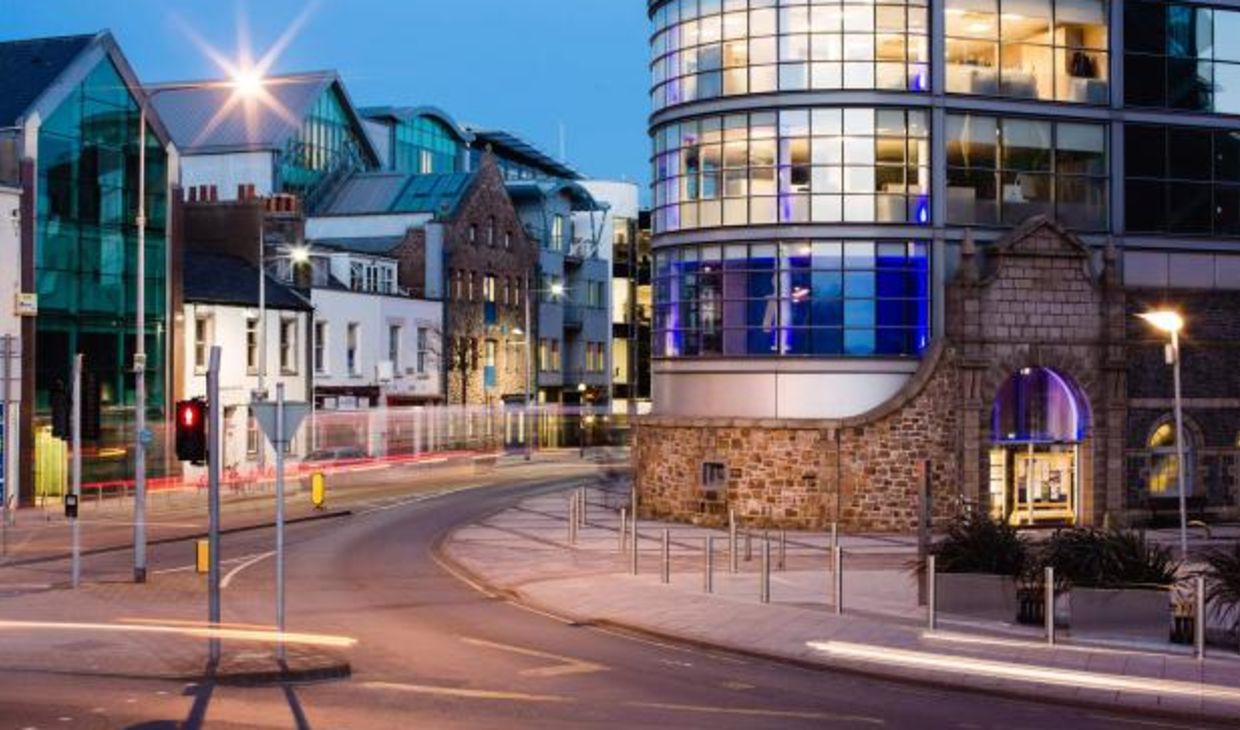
[191, 437]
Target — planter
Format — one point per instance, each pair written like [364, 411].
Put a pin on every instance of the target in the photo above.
[1128, 613]
[1183, 629]
[1031, 607]
[977, 595]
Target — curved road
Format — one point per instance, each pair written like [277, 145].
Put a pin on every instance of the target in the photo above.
[435, 653]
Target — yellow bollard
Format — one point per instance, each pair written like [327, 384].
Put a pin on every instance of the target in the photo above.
[204, 556]
[318, 490]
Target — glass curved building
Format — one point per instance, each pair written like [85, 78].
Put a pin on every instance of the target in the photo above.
[822, 170]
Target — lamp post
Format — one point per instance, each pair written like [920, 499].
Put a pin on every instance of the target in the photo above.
[556, 290]
[1171, 322]
[245, 85]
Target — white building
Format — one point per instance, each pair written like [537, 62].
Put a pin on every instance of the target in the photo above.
[10, 325]
[222, 309]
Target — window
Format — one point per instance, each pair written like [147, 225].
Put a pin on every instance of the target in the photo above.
[491, 231]
[824, 298]
[719, 49]
[544, 355]
[202, 340]
[320, 347]
[1182, 180]
[326, 138]
[351, 343]
[473, 233]
[1002, 171]
[508, 292]
[1164, 476]
[288, 346]
[507, 239]
[714, 475]
[557, 233]
[459, 284]
[1182, 56]
[1033, 49]
[826, 165]
[469, 285]
[555, 354]
[595, 295]
[423, 145]
[488, 288]
[253, 439]
[251, 345]
[394, 348]
[423, 349]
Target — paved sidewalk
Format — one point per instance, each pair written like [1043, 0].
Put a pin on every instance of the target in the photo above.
[525, 551]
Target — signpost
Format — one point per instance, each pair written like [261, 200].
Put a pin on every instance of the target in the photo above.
[71, 503]
[5, 396]
[215, 421]
[279, 422]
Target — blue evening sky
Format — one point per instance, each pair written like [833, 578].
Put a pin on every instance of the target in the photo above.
[524, 65]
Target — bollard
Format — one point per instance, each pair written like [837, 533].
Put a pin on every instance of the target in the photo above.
[732, 562]
[633, 545]
[572, 520]
[1199, 621]
[764, 593]
[748, 545]
[783, 550]
[931, 594]
[835, 534]
[583, 503]
[1049, 578]
[708, 572]
[837, 579]
[624, 529]
[667, 557]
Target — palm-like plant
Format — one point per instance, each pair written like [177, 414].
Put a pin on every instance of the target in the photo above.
[1222, 575]
[1109, 559]
[976, 544]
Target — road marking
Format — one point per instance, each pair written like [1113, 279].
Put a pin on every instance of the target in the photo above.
[24, 586]
[194, 566]
[664, 645]
[1054, 676]
[473, 694]
[384, 506]
[233, 573]
[738, 686]
[565, 666]
[183, 622]
[205, 632]
[757, 712]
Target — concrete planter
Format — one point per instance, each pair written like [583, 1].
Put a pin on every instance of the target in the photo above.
[1127, 613]
[977, 595]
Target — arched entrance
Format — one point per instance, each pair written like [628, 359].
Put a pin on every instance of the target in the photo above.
[1038, 423]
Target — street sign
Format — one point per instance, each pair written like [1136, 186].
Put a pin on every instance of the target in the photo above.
[26, 304]
[146, 437]
[265, 413]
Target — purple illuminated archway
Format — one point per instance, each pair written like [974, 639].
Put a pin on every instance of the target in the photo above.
[1038, 405]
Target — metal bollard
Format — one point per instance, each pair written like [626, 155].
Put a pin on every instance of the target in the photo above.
[932, 618]
[633, 545]
[837, 579]
[748, 545]
[583, 503]
[624, 529]
[572, 520]
[732, 562]
[764, 591]
[835, 534]
[783, 550]
[1049, 578]
[708, 572]
[667, 557]
[1199, 620]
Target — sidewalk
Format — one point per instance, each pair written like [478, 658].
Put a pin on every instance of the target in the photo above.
[524, 551]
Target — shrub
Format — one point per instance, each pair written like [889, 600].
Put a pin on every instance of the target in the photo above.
[1222, 575]
[977, 544]
[1091, 558]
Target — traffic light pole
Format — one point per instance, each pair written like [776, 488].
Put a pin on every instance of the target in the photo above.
[280, 438]
[214, 432]
[77, 469]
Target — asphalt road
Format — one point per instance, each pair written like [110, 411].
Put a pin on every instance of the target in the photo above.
[435, 653]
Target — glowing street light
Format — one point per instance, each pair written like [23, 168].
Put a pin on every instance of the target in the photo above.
[1170, 322]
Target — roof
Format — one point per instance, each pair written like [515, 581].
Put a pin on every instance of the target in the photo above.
[581, 198]
[212, 278]
[512, 147]
[28, 67]
[405, 113]
[192, 114]
[397, 192]
[371, 245]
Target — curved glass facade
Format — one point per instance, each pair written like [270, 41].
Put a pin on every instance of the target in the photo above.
[820, 297]
[824, 165]
[705, 49]
[423, 145]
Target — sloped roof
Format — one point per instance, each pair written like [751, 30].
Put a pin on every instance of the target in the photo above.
[405, 113]
[510, 146]
[212, 278]
[372, 245]
[581, 198]
[398, 192]
[28, 67]
[192, 114]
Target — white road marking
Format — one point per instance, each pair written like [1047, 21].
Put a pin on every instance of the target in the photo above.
[233, 573]
[564, 665]
[463, 692]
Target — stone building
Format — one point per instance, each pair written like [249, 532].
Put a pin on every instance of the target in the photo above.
[891, 235]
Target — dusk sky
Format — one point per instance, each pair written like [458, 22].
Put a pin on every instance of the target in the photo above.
[524, 65]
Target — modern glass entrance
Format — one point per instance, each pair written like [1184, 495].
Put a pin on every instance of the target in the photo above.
[1038, 424]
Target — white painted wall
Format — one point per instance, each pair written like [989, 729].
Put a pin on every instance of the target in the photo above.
[10, 323]
[227, 171]
[373, 315]
[740, 389]
[227, 329]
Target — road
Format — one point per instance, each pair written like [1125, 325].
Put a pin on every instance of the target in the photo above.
[433, 652]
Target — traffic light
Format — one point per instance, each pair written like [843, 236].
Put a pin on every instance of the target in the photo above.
[62, 405]
[91, 404]
[192, 430]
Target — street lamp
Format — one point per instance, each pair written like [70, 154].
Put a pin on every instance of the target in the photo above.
[243, 85]
[1171, 322]
[556, 290]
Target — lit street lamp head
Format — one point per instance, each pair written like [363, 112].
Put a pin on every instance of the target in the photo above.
[299, 254]
[557, 289]
[248, 83]
[1165, 320]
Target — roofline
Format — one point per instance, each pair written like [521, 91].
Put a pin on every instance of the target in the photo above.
[549, 188]
[532, 156]
[303, 307]
[404, 113]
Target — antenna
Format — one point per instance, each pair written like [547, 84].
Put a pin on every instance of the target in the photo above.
[563, 155]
